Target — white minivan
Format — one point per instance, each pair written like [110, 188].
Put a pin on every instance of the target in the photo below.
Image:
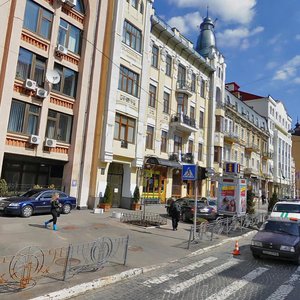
[286, 209]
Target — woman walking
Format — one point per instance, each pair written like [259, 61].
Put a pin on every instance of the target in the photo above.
[55, 210]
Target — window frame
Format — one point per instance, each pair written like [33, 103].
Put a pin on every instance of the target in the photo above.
[152, 95]
[166, 106]
[125, 78]
[200, 151]
[164, 141]
[125, 121]
[150, 137]
[154, 56]
[168, 65]
[193, 83]
[129, 28]
[201, 119]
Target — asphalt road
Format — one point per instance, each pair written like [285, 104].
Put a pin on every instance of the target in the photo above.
[215, 275]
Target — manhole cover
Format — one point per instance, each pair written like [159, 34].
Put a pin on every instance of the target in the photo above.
[72, 261]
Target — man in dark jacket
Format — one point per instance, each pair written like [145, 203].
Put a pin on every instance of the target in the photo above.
[175, 214]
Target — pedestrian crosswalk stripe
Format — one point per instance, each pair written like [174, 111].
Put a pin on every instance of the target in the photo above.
[176, 273]
[177, 288]
[283, 291]
[238, 284]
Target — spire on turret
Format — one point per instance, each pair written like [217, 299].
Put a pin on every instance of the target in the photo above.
[206, 40]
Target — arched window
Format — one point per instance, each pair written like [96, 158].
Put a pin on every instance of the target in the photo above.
[79, 6]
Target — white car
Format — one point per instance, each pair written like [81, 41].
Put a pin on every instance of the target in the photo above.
[286, 209]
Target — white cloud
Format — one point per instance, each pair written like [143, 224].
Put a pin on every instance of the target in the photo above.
[297, 37]
[240, 11]
[288, 70]
[186, 23]
[237, 37]
[297, 80]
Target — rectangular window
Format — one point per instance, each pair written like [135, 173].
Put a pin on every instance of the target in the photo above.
[166, 103]
[177, 144]
[181, 75]
[217, 154]
[154, 61]
[23, 118]
[128, 81]
[164, 139]
[201, 120]
[68, 81]
[193, 85]
[59, 126]
[219, 123]
[190, 146]
[168, 65]
[202, 89]
[69, 36]
[152, 95]
[38, 20]
[124, 128]
[132, 36]
[200, 149]
[149, 137]
[192, 113]
[31, 66]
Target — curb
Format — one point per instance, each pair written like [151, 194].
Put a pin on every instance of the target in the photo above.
[98, 283]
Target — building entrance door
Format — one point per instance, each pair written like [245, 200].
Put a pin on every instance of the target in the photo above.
[115, 180]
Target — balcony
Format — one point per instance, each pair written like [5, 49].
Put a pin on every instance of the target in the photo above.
[251, 147]
[267, 155]
[220, 105]
[231, 137]
[267, 175]
[184, 123]
[183, 86]
[248, 171]
[187, 158]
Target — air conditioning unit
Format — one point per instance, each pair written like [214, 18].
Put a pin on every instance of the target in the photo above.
[30, 84]
[61, 49]
[41, 93]
[71, 3]
[35, 139]
[50, 143]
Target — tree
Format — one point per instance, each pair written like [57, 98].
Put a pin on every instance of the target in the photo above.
[272, 201]
[250, 202]
[136, 195]
[108, 195]
[3, 187]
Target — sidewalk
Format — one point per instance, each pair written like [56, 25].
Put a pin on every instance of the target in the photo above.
[147, 246]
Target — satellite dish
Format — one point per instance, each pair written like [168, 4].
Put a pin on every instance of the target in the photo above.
[53, 76]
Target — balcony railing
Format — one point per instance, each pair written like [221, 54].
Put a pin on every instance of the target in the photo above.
[251, 147]
[184, 123]
[248, 171]
[267, 155]
[231, 136]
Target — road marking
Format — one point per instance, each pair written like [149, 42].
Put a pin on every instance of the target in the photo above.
[176, 273]
[283, 291]
[237, 285]
[175, 289]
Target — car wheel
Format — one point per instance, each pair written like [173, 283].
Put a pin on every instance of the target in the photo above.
[27, 211]
[256, 256]
[66, 209]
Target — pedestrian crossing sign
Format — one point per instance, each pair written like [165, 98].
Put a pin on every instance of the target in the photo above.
[189, 172]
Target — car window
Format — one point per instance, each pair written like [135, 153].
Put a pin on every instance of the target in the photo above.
[47, 195]
[281, 227]
[212, 202]
[62, 195]
[31, 194]
[287, 207]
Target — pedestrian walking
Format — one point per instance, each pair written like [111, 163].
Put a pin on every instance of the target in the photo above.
[175, 214]
[55, 210]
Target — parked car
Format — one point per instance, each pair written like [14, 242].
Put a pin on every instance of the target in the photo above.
[278, 238]
[286, 209]
[35, 201]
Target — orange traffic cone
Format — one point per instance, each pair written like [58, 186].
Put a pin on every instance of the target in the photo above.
[236, 250]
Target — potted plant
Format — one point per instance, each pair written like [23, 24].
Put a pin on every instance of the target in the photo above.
[107, 199]
[136, 199]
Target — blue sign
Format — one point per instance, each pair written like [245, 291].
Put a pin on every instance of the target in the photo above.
[189, 172]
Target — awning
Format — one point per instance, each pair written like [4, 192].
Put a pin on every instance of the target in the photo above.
[163, 162]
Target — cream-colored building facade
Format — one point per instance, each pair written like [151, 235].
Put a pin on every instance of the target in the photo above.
[48, 121]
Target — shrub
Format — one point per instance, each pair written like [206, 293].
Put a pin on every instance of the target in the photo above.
[250, 202]
[136, 195]
[3, 187]
[272, 201]
[108, 195]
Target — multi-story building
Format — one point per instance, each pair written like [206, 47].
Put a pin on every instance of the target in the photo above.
[246, 140]
[296, 156]
[51, 63]
[280, 142]
[161, 94]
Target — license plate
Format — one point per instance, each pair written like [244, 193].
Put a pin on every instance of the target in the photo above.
[271, 253]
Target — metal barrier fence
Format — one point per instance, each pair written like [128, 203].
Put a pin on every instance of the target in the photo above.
[32, 264]
[209, 230]
[143, 218]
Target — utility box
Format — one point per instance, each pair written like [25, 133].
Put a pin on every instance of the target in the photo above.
[232, 196]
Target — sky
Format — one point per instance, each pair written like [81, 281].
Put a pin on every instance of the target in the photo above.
[260, 40]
